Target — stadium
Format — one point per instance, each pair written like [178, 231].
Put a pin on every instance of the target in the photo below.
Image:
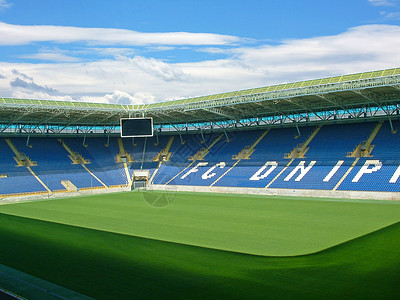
[286, 191]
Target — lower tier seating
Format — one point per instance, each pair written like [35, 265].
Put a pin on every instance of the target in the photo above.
[286, 158]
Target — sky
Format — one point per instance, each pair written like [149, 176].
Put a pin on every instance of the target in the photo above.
[148, 51]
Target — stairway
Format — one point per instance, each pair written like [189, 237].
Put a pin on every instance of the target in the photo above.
[24, 161]
[301, 149]
[76, 157]
[69, 185]
[164, 154]
[248, 150]
[123, 156]
[21, 159]
[365, 148]
[199, 155]
[243, 154]
[345, 174]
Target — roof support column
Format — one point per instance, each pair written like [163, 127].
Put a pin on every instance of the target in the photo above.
[180, 136]
[391, 125]
[298, 130]
[27, 140]
[226, 135]
[157, 137]
[144, 151]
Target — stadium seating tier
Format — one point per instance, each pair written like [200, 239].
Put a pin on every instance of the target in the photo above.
[325, 160]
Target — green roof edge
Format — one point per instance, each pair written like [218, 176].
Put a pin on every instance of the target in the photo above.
[276, 87]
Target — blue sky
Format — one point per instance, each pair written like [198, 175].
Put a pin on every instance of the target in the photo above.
[150, 51]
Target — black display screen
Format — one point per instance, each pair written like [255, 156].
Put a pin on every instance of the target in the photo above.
[136, 127]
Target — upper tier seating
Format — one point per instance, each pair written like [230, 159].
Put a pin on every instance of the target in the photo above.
[319, 158]
[325, 165]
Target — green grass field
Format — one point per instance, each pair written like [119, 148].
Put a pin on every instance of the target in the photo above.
[117, 246]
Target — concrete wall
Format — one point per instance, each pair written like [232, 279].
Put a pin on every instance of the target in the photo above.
[281, 192]
[216, 189]
[15, 199]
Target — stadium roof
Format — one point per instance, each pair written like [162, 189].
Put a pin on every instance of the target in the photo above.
[368, 94]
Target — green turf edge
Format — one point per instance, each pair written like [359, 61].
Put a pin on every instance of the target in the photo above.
[104, 265]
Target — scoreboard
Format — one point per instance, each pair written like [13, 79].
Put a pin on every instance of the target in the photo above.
[136, 127]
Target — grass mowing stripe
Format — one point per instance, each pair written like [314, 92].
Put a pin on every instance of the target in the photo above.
[257, 225]
[107, 265]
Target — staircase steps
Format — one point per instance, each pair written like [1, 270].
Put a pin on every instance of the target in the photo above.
[244, 154]
[76, 157]
[123, 156]
[279, 174]
[95, 177]
[204, 151]
[21, 159]
[247, 151]
[345, 174]
[24, 161]
[38, 179]
[69, 185]
[197, 156]
[365, 148]
[164, 154]
[301, 149]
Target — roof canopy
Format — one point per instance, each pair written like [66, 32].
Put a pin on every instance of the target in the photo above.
[370, 94]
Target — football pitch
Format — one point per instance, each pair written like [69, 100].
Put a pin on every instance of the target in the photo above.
[159, 245]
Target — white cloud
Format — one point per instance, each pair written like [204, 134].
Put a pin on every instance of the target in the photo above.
[359, 49]
[158, 68]
[215, 50]
[4, 4]
[143, 98]
[30, 86]
[55, 55]
[23, 34]
[22, 94]
[117, 97]
[391, 15]
[383, 2]
[147, 80]
[108, 51]
[160, 48]
[21, 75]
[120, 97]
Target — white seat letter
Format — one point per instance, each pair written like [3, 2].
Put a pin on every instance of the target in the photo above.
[364, 169]
[258, 176]
[208, 174]
[194, 169]
[303, 170]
